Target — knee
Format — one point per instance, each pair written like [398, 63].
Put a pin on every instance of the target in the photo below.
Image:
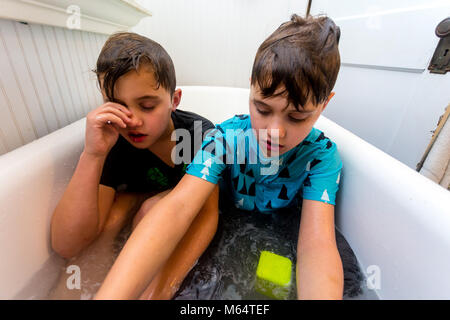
[149, 203]
[145, 207]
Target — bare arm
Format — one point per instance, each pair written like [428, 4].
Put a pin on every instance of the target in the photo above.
[82, 211]
[154, 239]
[77, 218]
[319, 267]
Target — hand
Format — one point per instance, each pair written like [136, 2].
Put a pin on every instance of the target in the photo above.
[103, 125]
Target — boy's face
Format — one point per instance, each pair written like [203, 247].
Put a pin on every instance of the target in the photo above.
[137, 91]
[280, 126]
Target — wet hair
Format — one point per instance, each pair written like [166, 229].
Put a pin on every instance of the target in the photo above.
[302, 56]
[126, 51]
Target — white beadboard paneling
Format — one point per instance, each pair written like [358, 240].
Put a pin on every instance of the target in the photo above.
[44, 100]
[11, 135]
[19, 65]
[16, 103]
[75, 60]
[3, 148]
[50, 74]
[86, 42]
[69, 72]
[94, 52]
[85, 70]
[61, 79]
[46, 80]
[100, 41]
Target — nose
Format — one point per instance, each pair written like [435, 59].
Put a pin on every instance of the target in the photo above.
[135, 121]
[276, 131]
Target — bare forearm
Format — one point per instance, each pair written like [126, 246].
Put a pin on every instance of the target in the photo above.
[147, 249]
[319, 273]
[76, 219]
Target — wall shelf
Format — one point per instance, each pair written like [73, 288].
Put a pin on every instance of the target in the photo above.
[101, 16]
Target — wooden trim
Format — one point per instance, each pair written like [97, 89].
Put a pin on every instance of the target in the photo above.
[441, 122]
[100, 16]
[308, 8]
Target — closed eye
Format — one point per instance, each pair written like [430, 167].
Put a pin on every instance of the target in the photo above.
[147, 107]
[264, 113]
[296, 120]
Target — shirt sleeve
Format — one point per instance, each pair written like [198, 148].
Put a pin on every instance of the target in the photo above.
[210, 161]
[195, 124]
[322, 182]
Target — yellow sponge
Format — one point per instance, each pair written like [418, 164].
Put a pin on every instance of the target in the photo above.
[273, 275]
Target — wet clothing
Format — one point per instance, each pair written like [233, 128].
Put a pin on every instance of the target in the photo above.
[227, 269]
[128, 168]
[231, 155]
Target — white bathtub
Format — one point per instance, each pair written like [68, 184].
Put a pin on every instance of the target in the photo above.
[397, 221]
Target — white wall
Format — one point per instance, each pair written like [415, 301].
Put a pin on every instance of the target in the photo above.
[384, 93]
[214, 42]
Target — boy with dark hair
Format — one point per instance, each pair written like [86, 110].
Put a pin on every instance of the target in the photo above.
[127, 158]
[268, 160]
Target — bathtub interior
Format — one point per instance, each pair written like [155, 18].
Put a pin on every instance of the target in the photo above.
[395, 220]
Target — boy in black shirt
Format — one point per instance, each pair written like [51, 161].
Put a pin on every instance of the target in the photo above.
[132, 169]
[128, 156]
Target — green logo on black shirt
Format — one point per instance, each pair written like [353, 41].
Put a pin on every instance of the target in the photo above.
[157, 177]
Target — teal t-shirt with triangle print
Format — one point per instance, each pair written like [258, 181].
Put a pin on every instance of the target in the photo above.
[231, 152]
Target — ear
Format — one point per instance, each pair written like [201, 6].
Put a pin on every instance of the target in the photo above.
[176, 99]
[328, 100]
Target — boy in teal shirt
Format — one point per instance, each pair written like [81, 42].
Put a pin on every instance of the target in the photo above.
[281, 160]
[312, 168]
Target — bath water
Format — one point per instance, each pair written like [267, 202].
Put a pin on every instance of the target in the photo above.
[226, 271]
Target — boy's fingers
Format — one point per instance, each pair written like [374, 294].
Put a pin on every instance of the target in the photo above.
[118, 106]
[117, 112]
[110, 119]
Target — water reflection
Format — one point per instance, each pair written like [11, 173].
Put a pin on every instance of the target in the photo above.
[227, 269]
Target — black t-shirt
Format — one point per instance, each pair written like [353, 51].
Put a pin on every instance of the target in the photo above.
[139, 170]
